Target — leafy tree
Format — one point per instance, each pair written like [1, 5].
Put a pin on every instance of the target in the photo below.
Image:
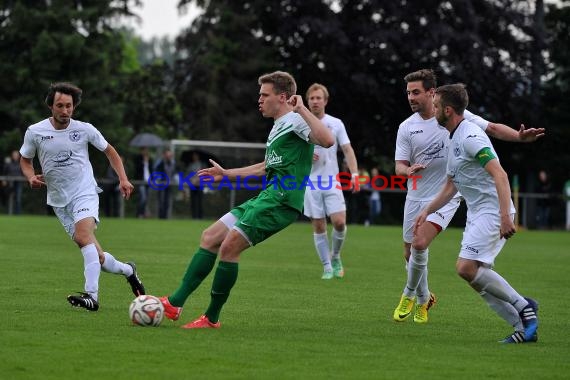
[60, 40]
[217, 78]
[556, 94]
[148, 103]
[361, 49]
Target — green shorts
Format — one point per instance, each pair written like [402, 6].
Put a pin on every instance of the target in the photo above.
[263, 216]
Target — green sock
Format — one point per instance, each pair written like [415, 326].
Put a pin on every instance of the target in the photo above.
[224, 280]
[200, 266]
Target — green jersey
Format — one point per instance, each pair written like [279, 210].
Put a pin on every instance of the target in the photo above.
[288, 159]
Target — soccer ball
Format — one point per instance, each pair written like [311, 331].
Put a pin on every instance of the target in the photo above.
[146, 311]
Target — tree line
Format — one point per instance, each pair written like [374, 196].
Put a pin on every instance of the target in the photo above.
[513, 56]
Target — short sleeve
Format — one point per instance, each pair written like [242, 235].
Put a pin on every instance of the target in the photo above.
[28, 149]
[476, 119]
[301, 127]
[96, 138]
[403, 146]
[474, 142]
[342, 137]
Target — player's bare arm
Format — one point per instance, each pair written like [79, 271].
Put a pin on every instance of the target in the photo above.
[35, 180]
[501, 179]
[404, 168]
[506, 133]
[352, 164]
[442, 198]
[217, 172]
[320, 134]
[125, 186]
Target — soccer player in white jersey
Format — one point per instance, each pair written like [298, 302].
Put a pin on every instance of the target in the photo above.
[61, 145]
[473, 168]
[324, 198]
[289, 154]
[421, 150]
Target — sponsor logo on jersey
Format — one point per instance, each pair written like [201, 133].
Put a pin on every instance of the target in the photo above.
[46, 138]
[82, 210]
[440, 215]
[471, 136]
[273, 159]
[63, 156]
[416, 132]
[74, 135]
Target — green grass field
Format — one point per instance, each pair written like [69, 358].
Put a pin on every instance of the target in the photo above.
[282, 321]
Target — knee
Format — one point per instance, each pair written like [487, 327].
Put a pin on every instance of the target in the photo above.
[207, 240]
[420, 243]
[82, 238]
[339, 226]
[466, 272]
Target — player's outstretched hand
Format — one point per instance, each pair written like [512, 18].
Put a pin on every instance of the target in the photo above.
[415, 168]
[530, 134]
[37, 181]
[215, 171]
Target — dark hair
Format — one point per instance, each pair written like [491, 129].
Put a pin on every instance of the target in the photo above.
[426, 76]
[281, 81]
[64, 88]
[454, 96]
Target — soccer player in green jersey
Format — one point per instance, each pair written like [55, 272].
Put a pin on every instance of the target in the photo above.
[288, 161]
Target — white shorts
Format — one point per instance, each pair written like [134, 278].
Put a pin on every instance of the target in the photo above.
[322, 203]
[482, 238]
[441, 217]
[84, 206]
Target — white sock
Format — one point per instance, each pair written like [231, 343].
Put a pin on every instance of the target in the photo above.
[422, 291]
[112, 265]
[416, 268]
[504, 309]
[322, 246]
[92, 269]
[491, 282]
[337, 242]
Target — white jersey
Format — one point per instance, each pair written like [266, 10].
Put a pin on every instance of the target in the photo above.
[475, 184]
[425, 142]
[325, 168]
[64, 157]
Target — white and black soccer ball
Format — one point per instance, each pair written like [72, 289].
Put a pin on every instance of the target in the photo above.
[146, 311]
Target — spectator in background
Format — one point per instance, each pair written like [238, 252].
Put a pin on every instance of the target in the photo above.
[567, 199]
[375, 201]
[543, 204]
[166, 165]
[143, 167]
[14, 187]
[112, 192]
[197, 192]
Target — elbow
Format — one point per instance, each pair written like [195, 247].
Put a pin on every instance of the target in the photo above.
[327, 142]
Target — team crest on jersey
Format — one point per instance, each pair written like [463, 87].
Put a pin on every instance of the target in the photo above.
[74, 136]
[456, 151]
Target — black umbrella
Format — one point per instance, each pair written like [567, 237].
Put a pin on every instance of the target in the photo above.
[146, 140]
